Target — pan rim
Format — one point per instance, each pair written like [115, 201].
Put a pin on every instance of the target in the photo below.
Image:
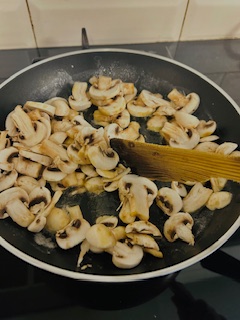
[132, 277]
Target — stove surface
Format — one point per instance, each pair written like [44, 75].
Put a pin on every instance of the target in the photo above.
[207, 290]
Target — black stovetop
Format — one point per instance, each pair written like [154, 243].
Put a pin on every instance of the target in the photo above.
[207, 290]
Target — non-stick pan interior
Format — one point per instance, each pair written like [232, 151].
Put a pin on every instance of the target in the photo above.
[55, 77]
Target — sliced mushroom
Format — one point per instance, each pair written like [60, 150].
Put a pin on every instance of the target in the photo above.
[104, 88]
[153, 100]
[49, 109]
[39, 199]
[73, 234]
[122, 118]
[179, 226]
[14, 202]
[36, 157]
[102, 157]
[226, 148]
[219, 200]
[6, 157]
[179, 137]
[8, 179]
[196, 198]
[156, 122]
[217, 184]
[114, 106]
[4, 140]
[180, 188]
[168, 200]
[145, 227]
[126, 256]
[94, 185]
[27, 167]
[109, 221]
[29, 183]
[139, 192]
[30, 132]
[207, 146]
[138, 108]
[79, 100]
[143, 240]
[186, 120]
[100, 236]
[53, 174]
[61, 106]
[57, 219]
[206, 128]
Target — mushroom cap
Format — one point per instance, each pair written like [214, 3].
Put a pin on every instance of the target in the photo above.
[126, 256]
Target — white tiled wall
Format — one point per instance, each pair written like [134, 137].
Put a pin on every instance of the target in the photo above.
[54, 23]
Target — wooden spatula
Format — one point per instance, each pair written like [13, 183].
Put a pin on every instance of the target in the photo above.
[165, 163]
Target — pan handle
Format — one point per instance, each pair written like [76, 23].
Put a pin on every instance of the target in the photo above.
[222, 263]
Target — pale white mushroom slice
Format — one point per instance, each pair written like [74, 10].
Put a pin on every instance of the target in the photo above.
[109, 221]
[73, 234]
[226, 148]
[143, 240]
[94, 185]
[49, 109]
[63, 125]
[137, 108]
[145, 227]
[186, 120]
[119, 233]
[113, 130]
[165, 110]
[14, 202]
[180, 188]
[126, 256]
[196, 198]
[113, 107]
[61, 106]
[8, 179]
[58, 137]
[125, 214]
[156, 122]
[122, 118]
[6, 157]
[178, 98]
[10, 125]
[36, 157]
[206, 128]
[179, 137]
[207, 146]
[100, 236]
[102, 157]
[39, 199]
[130, 96]
[139, 192]
[40, 219]
[219, 200]
[89, 135]
[187, 103]
[104, 88]
[27, 167]
[53, 174]
[79, 100]
[89, 170]
[84, 248]
[4, 140]
[217, 184]
[179, 226]
[59, 156]
[212, 137]
[169, 201]
[29, 183]
[152, 100]
[57, 219]
[30, 132]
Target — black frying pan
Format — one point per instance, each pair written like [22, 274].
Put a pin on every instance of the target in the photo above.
[54, 77]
